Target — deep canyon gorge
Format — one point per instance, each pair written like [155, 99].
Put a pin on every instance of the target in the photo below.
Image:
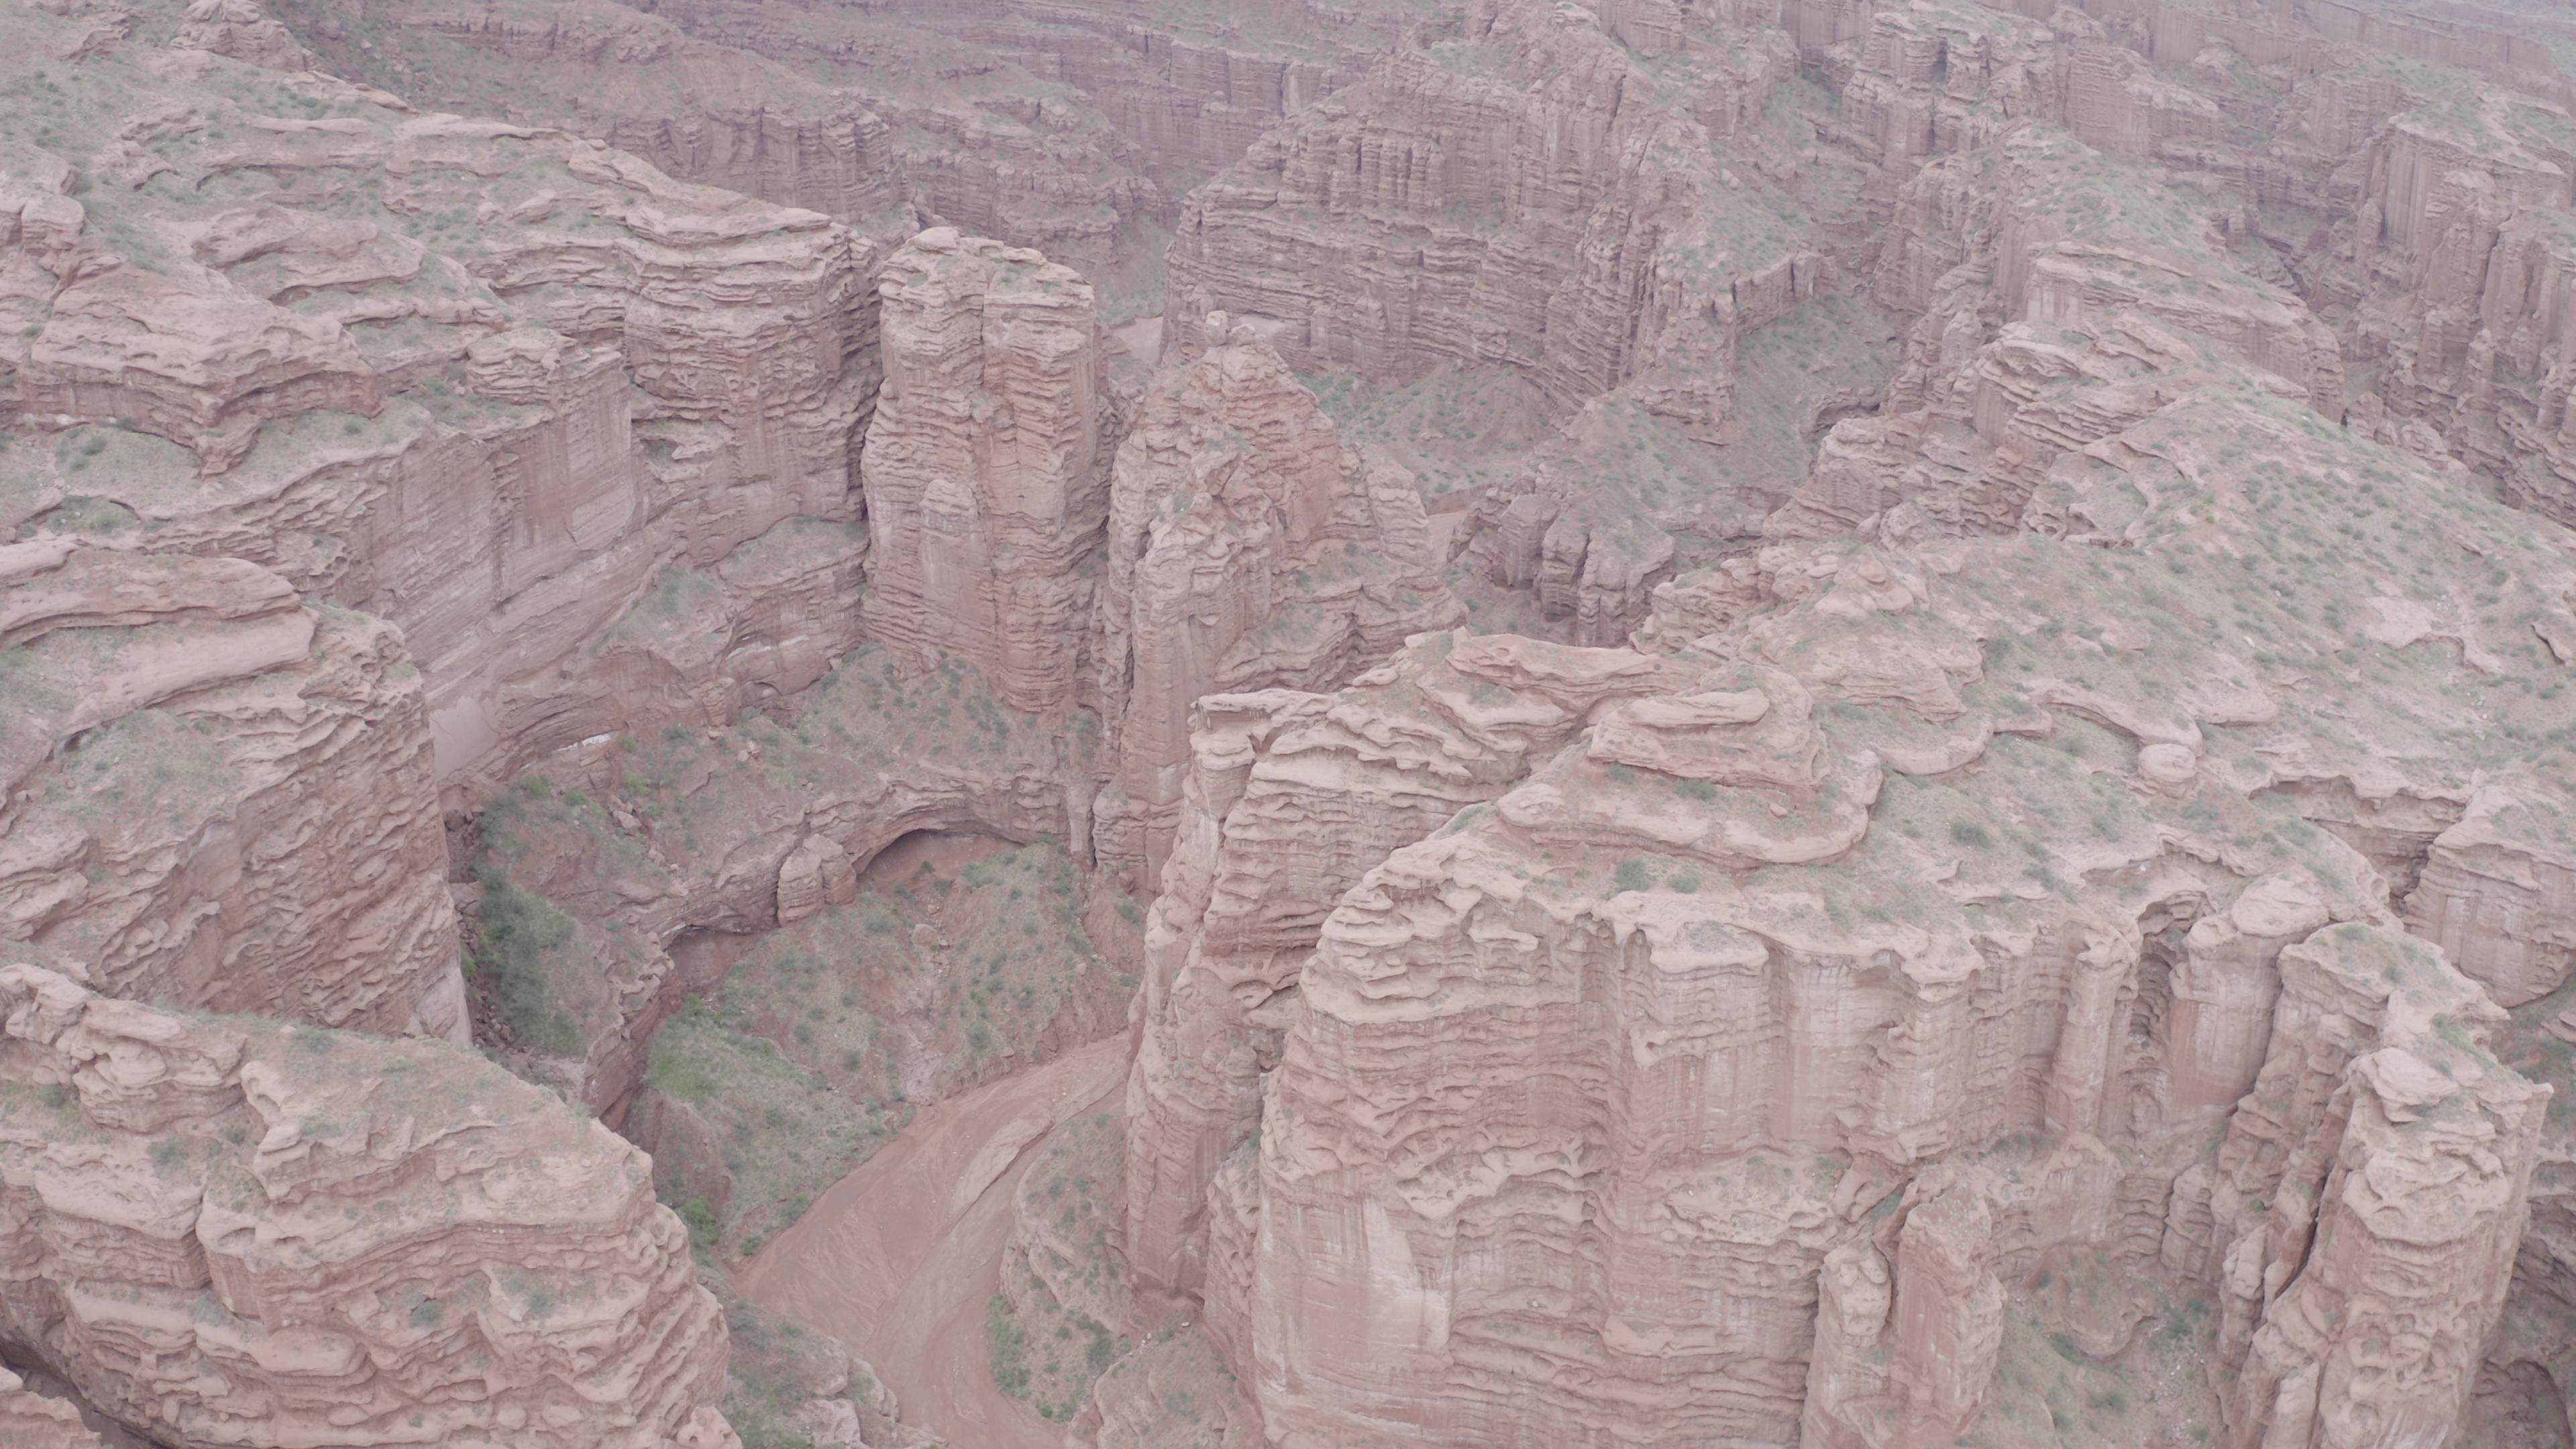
[1287, 724]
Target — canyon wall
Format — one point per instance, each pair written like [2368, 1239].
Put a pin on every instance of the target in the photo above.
[1518, 191]
[1248, 549]
[495, 385]
[229, 1231]
[987, 469]
[1072, 128]
[1932, 913]
[1779, 1007]
[213, 795]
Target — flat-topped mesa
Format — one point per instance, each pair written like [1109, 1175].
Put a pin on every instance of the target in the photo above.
[987, 465]
[1248, 549]
[213, 796]
[229, 1232]
[1519, 192]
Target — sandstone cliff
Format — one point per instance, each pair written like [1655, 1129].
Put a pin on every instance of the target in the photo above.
[1521, 192]
[987, 467]
[214, 796]
[489, 383]
[1752, 950]
[1247, 549]
[232, 1231]
[1780, 1019]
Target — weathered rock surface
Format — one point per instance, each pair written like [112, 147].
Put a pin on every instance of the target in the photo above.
[33, 1421]
[703, 112]
[1248, 549]
[2062, 300]
[1753, 986]
[498, 386]
[214, 796]
[235, 1232]
[1071, 128]
[1291, 797]
[1519, 191]
[987, 467]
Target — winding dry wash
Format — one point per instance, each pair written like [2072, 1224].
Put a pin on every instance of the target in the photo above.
[1256, 724]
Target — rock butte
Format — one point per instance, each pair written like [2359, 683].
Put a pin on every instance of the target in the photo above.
[1839, 723]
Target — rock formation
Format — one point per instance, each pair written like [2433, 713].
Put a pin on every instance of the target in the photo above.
[1071, 128]
[1752, 949]
[489, 383]
[1247, 549]
[236, 1232]
[987, 469]
[215, 796]
[37, 1422]
[2026, 897]
[1519, 192]
[1755, 983]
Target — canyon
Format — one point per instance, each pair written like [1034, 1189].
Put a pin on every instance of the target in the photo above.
[1839, 723]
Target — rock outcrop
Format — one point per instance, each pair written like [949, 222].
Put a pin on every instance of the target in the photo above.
[1291, 798]
[498, 386]
[34, 1421]
[1751, 950]
[236, 1232]
[1248, 549]
[2062, 299]
[2372, 1191]
[1756, 981]
[987, 466]
[1519, 192]
[215, 796]
[701, 111]
[1071, 128]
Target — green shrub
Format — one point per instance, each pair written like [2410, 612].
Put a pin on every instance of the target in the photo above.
[519, 931]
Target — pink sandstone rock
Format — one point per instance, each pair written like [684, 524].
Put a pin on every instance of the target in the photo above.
[987, 467]
[230, 1232]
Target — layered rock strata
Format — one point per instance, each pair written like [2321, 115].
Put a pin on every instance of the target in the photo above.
[1519, 192]
[1072, 128]
[1755, 985]
[235, 1232]
[1691, 916]
[987, 466]
[1291, 797]
[213, 795]
[1248, 549]
[34, 1421]
[496, 385]
[2062, 298]
[703, 112]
